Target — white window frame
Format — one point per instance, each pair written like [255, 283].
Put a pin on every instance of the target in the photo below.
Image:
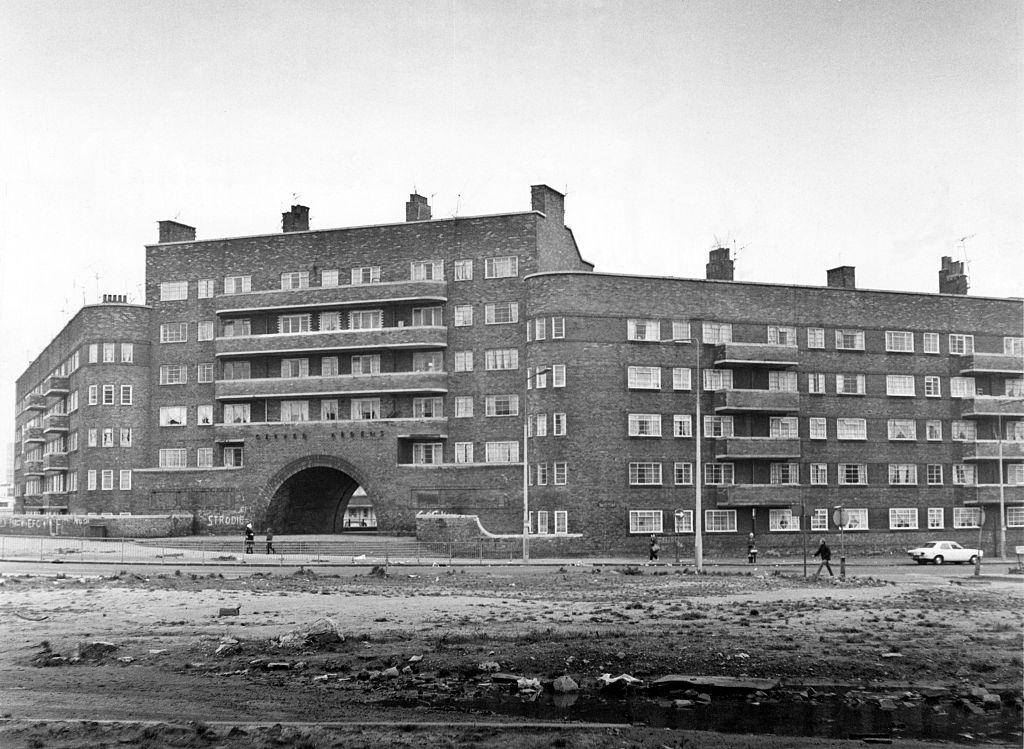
[936, 519]
[902, 430]
[932, 386]
[365, 274]
[966, 517]
[463, 450]
[560, 472]
[644, 425]
[817, 428]
[293, 323]
[204, 372]
[173, 374]
[501, 267]
[173, 416]
[204, 457]
[638, 329]
[498, 359]
[462, 315]
[720, 521]
[933, 474]
[716, 332]
[819, 474]
[858, 474]
[717, 379]
[819, 519]
[330, 277]
[558, 424]
[682, 425]
[463, 361]
[719, 474]
[899, 341]
[237, 284]
[962, 387]
[849, 339]
[851, 429]
[501, 313]
[782, 335]
[127, 392]
[463, 270]
[783, 521]
[501, 452]
[903, 518]
[501, 404]
[205, 330]
[206, 288]
[643, 378]
[815, 338]
[844, 380]
[682, 473]
[902, 474]
[427, 453]
[294, 280]
[173, 457]
[645, 522]
[204, 415]
[643, 473]
[899, 385]
[174, 332]
[173, 291]
[961, 344]
[930, 343]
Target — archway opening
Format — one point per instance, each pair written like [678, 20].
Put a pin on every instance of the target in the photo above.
[314, 500]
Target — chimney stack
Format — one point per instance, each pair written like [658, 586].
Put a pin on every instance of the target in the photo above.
[843, 277]
[115, 298]
[172, 231]
[720, 265]
[417, 209]
[952, 279]
[549, 202]
[297, 219]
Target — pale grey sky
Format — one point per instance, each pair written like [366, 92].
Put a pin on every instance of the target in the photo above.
[806, 134]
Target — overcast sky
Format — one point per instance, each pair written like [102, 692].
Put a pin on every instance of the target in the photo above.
[803, 134]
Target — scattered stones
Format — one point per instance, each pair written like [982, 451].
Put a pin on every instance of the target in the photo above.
[488, 667]
[321, 632]
[564, 684]
[226, 611]
[94, 650]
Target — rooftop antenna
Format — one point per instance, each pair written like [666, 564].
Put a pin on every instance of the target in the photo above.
[963, 251]
[458, 204]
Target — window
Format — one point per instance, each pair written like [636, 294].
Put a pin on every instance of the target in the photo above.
[71, 402]
[963, 431]
[933, 430]
[538, 425]
[682, 473]
[645, 521]
[501, 452]
[718, 379]
[720, 521]
[427, 361]
[295, 280]
[126, 437]
[643, 330]
[644, 425]
[463, 361]
[560, 471]
[819, 520]
[644, 378]
[561, 522]
[330, 321]
[294, 411]
[784, 473]
[173, 374]
[856, 519]
[850, 340]
[173, 416]
[645, 474]
[237, 370]
[501, 267]
[1015, 517]
[502, 405]
[107, 438]
[930, 343]
[127, 353]
[902, 429]
[902, 518]
[426, 270]
[237, 284]
[962, 387]
[819, 474]
[366, 364]
[1014, 387]
[90, 438]
[558, 424]
[935, 519]
[964, 474]
[782, 335]
[683, 521]
[961, 344]
[90, 478]
[294, 323]
[329, 277]
[204, 331]
[558, 327]
[108, 395]
[366, 319]
[204, 457]
[463, 450]
[73, 481]
[541, 471]
[366, 274]
[817, 429]
[204, 372]
[329, 409]
[1015, 474]
[537, 328]
[853, 473]
[902, 474]
[783, 521]
[1013, 345]
[682, 425]
[364, 409]
[427, 316]
[784, 427]
[427, 453]
[126, 395]
[900, 341]
[782, 382]
[295, 368]
[235, 328]
[463, 270]
[718, 474]
[501, 313]
[682, 378]
[932, 387]
[851, 429]
[94, 353]
[502, 358]
[174, 332]
[124, 480]
[329, 366]
[205, 288]
[899, 385]
[816, 383]
[232, 457]
[236, 413]
[173, 457]
[463, 315]
[463, 406]
[427, 408]
[171, 291]
[850, 384]
[966, 517]
[717, 332]
[933, 473]
[106, 480]
[815, 338]
[718, 426]
[558, 375]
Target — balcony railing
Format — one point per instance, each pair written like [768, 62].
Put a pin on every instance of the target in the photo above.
[741, 448]
[55, 386]
[759, 495]
[769, 355]
[55, 462]
[424, 337]
[989, 450]
[770, 401]
[55, 423]
[32, 434]
[333, 297]
[32, 468]
[1011, 364]
[343, 385]
[988, 494]
[392, 429]
[992, 405]
[35, 402]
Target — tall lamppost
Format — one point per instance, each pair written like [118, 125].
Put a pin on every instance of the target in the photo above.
[526, 466]
[698, 513]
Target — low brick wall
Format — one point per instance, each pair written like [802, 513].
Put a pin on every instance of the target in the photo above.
[98, 526]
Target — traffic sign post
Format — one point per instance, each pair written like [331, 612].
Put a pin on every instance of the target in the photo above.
[841, 518]
[981, 526]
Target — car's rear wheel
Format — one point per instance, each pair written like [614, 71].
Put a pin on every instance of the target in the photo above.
[973, 559]
[938, 559]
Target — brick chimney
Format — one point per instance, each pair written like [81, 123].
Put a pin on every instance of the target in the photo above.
[297, 219]
[172, 231]
[952, 279]
[720, 265]
[549, 202]
[417, 209]
[843, 277]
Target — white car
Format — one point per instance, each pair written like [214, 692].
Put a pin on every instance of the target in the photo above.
[938, 552]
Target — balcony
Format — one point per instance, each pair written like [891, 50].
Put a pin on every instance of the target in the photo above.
[435, 336]
[988, 494]
[55, 462]
[32, 434]
[769, 355]
[1009, 364]
[55, 423]
[341, 429]
[992, 405]
[35, 402]
[747, 448]
[759, 495]
[32, 468]
[56, 387]
[989, 450]
[333, 297]
[341, 385]
[770, 401]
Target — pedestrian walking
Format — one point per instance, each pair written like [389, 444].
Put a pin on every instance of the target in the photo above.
[826, 554]
[654, 548]
[250, 538]
[751, 550]
[270, 540]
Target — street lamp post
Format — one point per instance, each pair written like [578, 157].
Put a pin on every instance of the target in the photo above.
[698, 513]
[526, 467]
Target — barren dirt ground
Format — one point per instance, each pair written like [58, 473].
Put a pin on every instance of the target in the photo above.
[448, 657]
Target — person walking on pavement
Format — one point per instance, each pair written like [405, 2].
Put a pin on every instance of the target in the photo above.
[270, 540]
[751, 550]
[250, 538]
[826, 554]
[654, 548]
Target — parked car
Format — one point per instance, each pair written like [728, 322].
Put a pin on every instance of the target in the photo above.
[938, 552]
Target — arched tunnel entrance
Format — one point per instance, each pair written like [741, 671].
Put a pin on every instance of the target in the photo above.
[312, 500]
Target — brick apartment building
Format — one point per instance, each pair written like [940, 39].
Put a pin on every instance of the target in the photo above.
[269, 377]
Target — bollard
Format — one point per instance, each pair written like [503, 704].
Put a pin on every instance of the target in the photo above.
[977, 566]
[842, 568]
